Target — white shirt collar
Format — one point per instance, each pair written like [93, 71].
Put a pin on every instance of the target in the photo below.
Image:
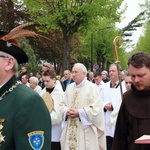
[82, 83]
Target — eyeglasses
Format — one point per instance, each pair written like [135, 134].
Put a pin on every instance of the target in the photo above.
[128, 82]
[3, 56]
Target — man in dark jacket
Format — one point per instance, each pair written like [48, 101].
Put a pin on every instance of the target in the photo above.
[25, 122]
[68, 78]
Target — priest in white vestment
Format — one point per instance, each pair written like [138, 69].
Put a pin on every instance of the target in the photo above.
[112, 98]
[83, 117]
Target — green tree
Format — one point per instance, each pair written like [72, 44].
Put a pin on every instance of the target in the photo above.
[33, 63]
[137, 22]
[69, 16]
[11, 15]
[99, 43]
[143, 43]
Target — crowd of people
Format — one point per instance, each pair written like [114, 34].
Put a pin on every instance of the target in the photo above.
[70, 114]
[82, 111]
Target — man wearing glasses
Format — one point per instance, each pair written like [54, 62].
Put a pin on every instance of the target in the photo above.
[24, 118]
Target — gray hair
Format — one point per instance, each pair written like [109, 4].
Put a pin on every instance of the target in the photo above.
[68, 71]
[15, 67]
[82, 67]
[34, 80]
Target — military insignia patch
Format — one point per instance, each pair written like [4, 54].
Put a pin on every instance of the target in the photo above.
[36, 139]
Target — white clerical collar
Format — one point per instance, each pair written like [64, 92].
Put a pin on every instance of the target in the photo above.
[79, 85]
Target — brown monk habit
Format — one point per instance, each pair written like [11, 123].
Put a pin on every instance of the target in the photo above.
[133, 120]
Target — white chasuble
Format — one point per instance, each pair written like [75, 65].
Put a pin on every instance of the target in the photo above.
[74, 135]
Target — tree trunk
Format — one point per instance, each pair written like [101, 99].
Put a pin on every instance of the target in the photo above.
[66, 52]
[7, 15]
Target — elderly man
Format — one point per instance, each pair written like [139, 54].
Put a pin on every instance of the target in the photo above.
[68, 78]
[24, 118]
[104, 74]
[33, 82]
[83, 122]
[91, 77]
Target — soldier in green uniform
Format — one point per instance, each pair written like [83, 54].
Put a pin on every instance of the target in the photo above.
[25, 122]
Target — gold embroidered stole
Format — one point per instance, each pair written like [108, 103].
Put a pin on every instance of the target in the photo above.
[73, 122]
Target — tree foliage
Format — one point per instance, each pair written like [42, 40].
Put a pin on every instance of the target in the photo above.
[11, 15]
[99, 42]
[69, 16]
[143, 43]
[33, 64]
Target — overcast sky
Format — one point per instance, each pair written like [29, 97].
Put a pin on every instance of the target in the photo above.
[132, 11]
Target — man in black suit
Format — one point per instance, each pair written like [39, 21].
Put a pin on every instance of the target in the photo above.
[68, 79]
[91, 77]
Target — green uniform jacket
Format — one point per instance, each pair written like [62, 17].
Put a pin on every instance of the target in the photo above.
[24, 111]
